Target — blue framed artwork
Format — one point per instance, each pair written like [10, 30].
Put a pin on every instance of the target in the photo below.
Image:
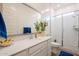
[27, 30]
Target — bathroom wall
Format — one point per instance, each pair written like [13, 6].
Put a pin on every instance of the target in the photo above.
[17, 16]
[0, 7]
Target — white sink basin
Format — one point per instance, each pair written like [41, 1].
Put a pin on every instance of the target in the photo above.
[55, 44]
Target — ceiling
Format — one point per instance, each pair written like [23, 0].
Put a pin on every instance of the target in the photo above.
[39, 6]
[44, 6]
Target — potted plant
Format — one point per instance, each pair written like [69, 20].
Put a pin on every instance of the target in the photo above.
[40, 27]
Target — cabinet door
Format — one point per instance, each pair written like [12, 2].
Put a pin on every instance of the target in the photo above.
[49, 47]
[70, 36]
[22, 53]
[44, 48]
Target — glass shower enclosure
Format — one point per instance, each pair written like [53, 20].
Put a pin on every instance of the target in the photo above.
[63, 29]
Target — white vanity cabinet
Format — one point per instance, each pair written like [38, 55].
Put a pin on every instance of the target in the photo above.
[40, 49]
[30, 47]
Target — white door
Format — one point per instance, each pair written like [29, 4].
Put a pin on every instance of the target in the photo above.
[70, 36]
[56, 28]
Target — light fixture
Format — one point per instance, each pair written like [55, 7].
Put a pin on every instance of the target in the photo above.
[68, 14]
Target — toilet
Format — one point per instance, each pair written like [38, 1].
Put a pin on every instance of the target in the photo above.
[55, 44]
[55, 48]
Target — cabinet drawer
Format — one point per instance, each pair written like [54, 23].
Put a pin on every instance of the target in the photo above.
[44, 45]
[36, 53]
[22, 53]
[44, 52]
[34, 49]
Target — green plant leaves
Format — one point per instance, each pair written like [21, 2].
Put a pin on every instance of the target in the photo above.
[37, 26]
[40, 26]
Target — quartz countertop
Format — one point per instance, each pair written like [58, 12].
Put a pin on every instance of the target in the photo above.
[21, 45]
